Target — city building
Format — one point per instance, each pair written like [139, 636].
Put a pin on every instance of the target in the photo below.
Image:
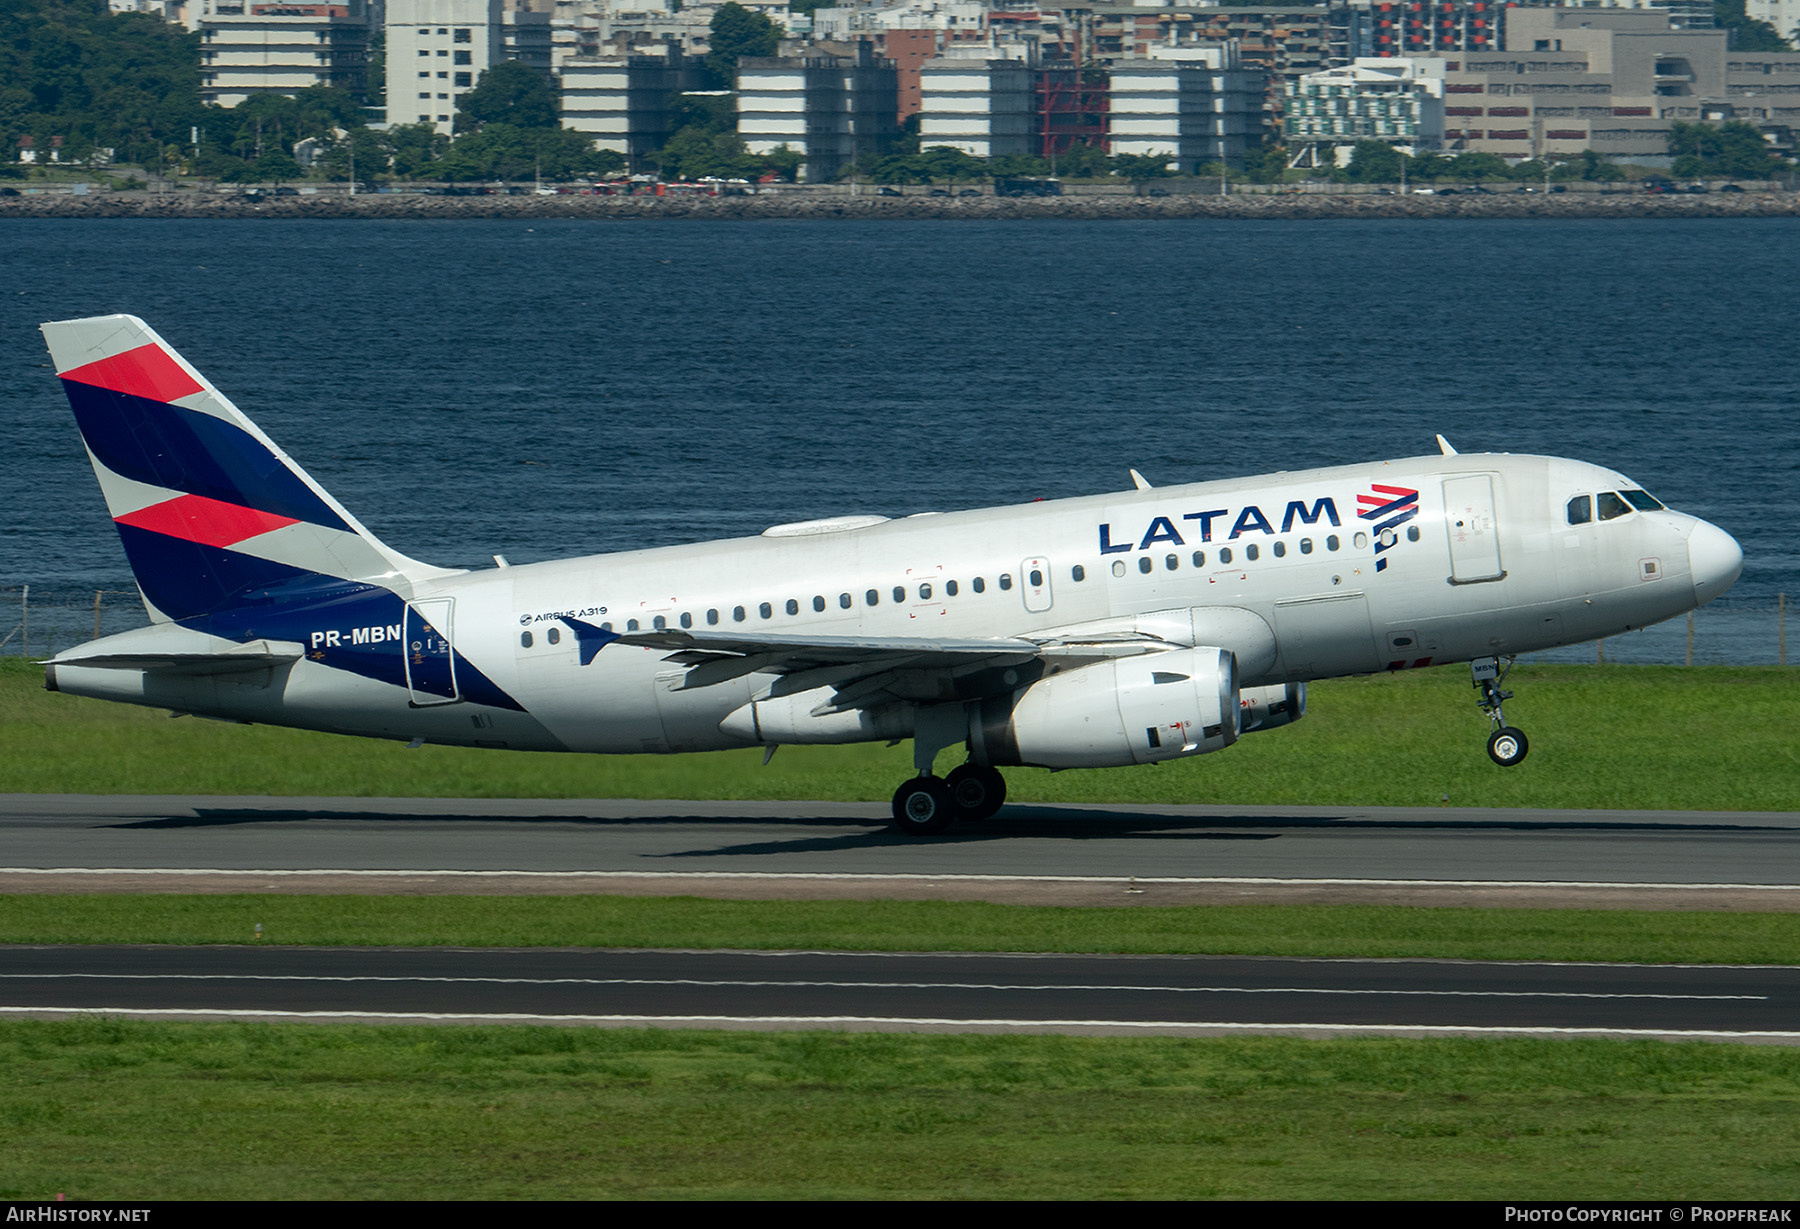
[1611, 80]
[1194, 105]
[626, 102]
[438, 49]
[249, 49]
[1398, 101]
[985, 107]
[829, 109]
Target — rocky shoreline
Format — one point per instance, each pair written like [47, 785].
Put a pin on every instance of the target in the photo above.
[803, 205]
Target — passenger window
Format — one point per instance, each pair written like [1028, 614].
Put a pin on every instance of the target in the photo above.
[793, 606]
[631, 625]
[1331, 541]
[1144, 566]
[555, 636]
[1281, 550]
[979, 584]
[1199, 558]
[1361, 540]
[1037, 579]
[606, 627]
[873, 597]
[659, 623]
[899, 593]
[1250, 551]
[1581, 510]
[1306, 546]
[949, 588]
[1078, 573]
[1412, 533]
[525, 640]
[737, 614]
[819, 603]
[1611, 506]
[712, 618]
[1171, 562]
[1118, 567]
[1224, 554]
[924, 593]
[766, 611]
[844, 601]
[1006, 580]
[687, 618]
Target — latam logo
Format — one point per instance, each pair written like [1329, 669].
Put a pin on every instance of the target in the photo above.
[1162, 530]
[1389, 507]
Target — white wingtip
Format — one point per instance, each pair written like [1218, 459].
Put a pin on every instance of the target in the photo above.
[1444, 447]
[1139, 481]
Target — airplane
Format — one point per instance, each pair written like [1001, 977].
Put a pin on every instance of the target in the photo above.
[1128, 627]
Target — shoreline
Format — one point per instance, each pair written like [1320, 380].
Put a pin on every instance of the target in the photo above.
[796, 205]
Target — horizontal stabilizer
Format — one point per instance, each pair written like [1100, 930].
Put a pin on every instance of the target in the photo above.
[254, 655]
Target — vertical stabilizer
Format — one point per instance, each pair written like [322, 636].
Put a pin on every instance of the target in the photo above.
[208, 508]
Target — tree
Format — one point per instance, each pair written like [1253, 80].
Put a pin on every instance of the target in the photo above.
[509, 93]
[1139, 167]
[1747, 34]
[1373, 162]
[1736, 150]
[737, 32]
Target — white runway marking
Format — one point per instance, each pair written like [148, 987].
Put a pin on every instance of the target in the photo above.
[868, 985]
[904, 876]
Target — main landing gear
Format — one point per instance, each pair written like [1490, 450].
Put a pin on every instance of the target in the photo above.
[926, 805]
[1506, 745]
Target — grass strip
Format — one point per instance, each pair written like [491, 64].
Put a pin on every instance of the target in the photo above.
[1655, 737]
[119, 1109]
[883, 925]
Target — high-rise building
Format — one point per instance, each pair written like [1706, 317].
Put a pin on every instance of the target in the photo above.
[436, 51]
[829, 109]
[249, 49]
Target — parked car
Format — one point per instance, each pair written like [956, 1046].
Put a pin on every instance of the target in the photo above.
[889, 192]
[1730, 187]
[969, 192]
[938, 192]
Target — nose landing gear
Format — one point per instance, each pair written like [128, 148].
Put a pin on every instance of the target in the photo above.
[1506, 746]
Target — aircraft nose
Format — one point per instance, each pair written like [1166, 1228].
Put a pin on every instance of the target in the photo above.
[1715, 559]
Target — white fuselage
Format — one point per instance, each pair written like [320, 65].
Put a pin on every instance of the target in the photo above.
[1489, 565]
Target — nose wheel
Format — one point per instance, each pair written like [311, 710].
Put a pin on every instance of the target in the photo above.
[1506, 745]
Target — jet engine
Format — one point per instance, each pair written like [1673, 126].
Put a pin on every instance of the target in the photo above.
[1132, 710]
[1264, 708]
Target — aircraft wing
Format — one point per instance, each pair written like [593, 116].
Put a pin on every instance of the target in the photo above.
[868, 669]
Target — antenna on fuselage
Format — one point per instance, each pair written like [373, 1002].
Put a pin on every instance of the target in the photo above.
[1444, 447]
[1139, 481]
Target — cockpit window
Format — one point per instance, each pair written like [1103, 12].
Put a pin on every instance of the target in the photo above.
[1643, 501]
[1611, 506]
[1581, 510]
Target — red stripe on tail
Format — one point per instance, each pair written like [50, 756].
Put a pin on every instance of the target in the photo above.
[144, 372]
[195, 518]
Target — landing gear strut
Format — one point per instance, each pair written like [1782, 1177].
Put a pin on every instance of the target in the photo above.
[1506, 746]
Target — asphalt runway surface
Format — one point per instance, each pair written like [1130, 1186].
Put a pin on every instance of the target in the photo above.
[1062, 854]
[905, 991]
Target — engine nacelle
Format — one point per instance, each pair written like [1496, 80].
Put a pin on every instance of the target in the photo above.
[1132, 710]
[1264, 708]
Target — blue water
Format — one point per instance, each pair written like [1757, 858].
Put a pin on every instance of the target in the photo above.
[559, 388]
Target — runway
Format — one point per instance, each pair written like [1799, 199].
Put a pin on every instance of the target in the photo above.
[1061, 854]
[1137, 995]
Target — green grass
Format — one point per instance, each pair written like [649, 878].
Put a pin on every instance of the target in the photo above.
[1657, 737]
[111, 1109]
[888, 925]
